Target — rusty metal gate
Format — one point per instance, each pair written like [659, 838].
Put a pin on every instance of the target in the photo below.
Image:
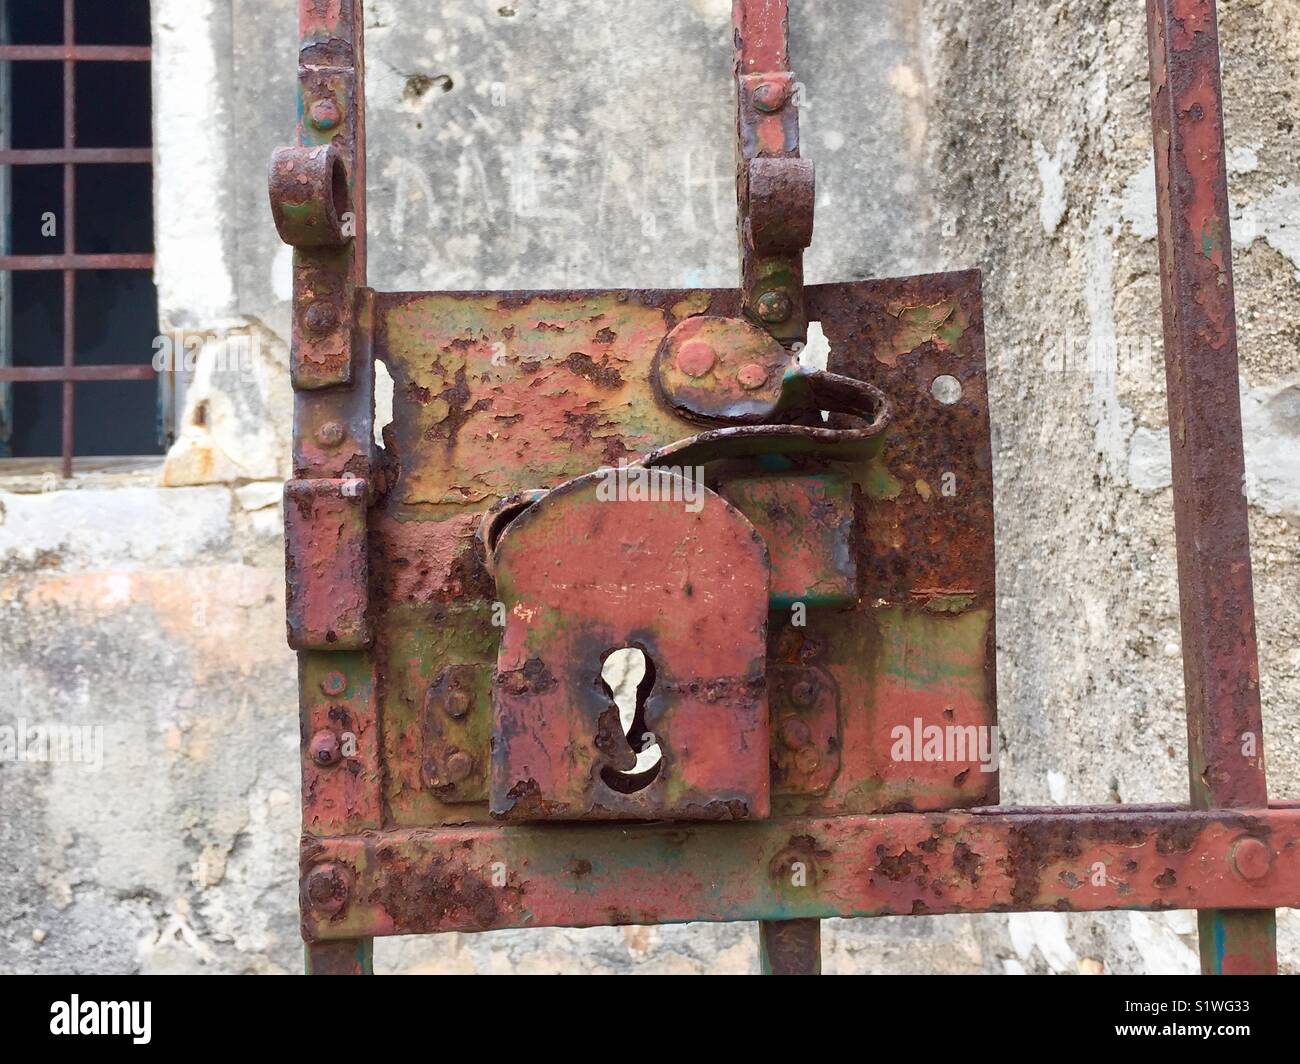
[570, 474]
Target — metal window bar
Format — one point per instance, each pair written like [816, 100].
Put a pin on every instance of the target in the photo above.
[70, 157]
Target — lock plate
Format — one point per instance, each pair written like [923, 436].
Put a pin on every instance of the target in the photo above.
[640, 559]
[495, 393]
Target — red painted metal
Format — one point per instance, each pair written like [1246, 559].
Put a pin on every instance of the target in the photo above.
[483, 877]
[327, 564]
[642, 558]
[1220, 656]
[774, 187]
[333, 378]
[834, 612]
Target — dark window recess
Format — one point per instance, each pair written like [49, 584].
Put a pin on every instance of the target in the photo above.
[120, 22]
[103, 226]
[35, 105]
[35, 22]
[77, 343]
[114, 105]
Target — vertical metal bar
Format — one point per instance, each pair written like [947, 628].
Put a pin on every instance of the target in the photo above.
[348, 956]
[69, 236]
[790, 947]
[6, 278]
[767, 129]
[331, 93]
[762, 41]
[1216, 596]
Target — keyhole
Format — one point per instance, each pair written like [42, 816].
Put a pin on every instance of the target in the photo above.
[627, 676]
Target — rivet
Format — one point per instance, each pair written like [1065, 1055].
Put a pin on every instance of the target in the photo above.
[457, 704]
[804, 693]
[321, 318]
[696, 358]
[325, 114]
[807, 760]
[334, 684]
[1251, 858]
[459, 766]
[330, 434]
[752, 376]
[795, 733]
[775, 307]
[325, 748]
[769, 96]
[327, 887]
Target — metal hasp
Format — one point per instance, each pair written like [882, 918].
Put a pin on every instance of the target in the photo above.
[803, 560]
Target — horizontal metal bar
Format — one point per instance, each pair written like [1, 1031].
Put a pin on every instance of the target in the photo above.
[76, 262]
[81, 53]
[53, 156]
[483, 877]
[29, 374]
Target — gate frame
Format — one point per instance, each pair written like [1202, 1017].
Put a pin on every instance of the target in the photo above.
[1230, 854]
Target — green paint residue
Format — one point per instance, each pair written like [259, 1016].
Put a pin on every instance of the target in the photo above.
[941, 323]
[925, 649]
[879, 483]
[955, 603]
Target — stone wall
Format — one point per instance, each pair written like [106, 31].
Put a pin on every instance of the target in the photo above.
[552, 143]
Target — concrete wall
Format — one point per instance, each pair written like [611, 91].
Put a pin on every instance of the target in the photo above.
[548, 143]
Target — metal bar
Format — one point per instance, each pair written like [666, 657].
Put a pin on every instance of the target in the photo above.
[762, 34]
[334, 426]
[485, 877]
[77, 262]
[762, 27]
[346, 957]
[31, 374]
[81, 156]
[77, 53]
[69, 237]
[1220, 655]
[774, 187]
[790, 947]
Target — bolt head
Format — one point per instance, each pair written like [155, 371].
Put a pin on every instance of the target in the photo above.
[696, 358]
[325, 749]
[327, 888]
[457, 704]
[795, 733]
[459, 766]
[325, 114]
[320, 318]
[334, 684]
[807, 760]
[330, 434]
[752, 376]
[769, 96]
[775, 307]
[804, 693]
[1251, 858]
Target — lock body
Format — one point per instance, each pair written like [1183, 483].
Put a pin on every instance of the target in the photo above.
[645, 559]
